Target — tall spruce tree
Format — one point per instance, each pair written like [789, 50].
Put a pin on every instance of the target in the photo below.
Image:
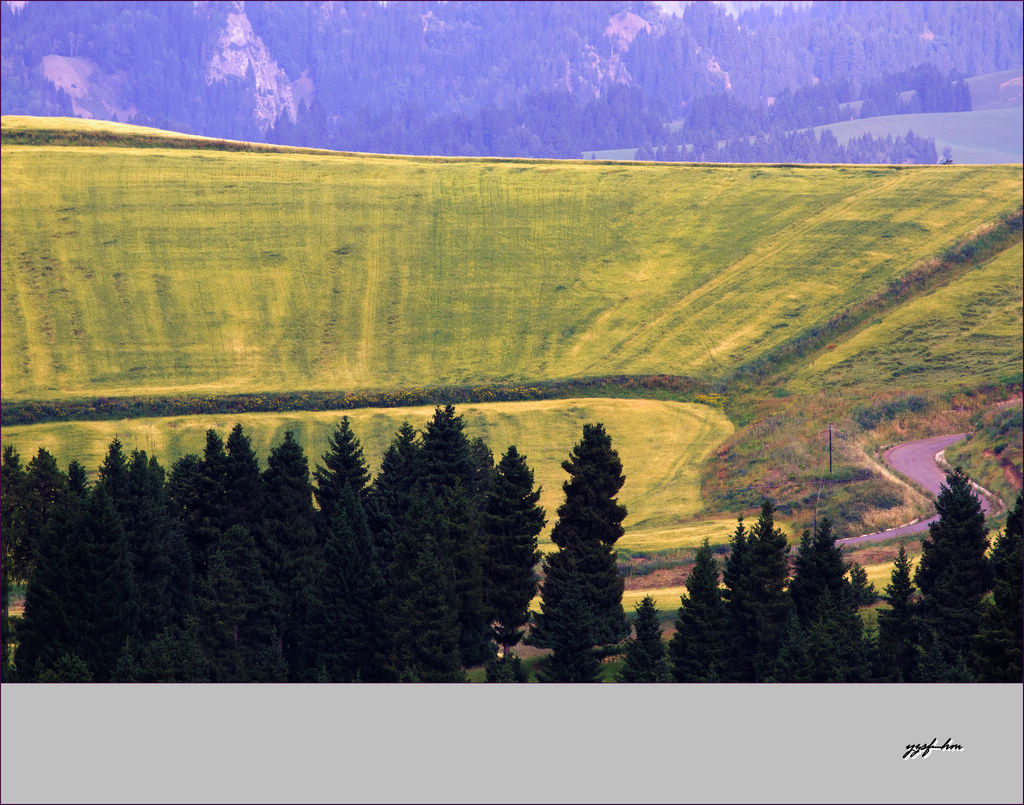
[427, 635]
[48, 630]
[569, 632]
[999, 643]
[698, 646]
[292, 551]
[243, 484]
[589, 524]
[448, 475]
[152, 535]
[512, 519]
[391, 495]
[353, 641]
[343, 467]
[235, 624]
[953, 575]
[13, 527]
[646, 654]
[757, 599]
[897, 626]
[826, 605]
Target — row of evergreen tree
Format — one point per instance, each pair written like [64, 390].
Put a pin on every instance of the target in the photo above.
[761, 625]
[222, 571]
[801, 147]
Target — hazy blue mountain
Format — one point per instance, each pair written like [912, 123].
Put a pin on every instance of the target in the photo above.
[506, 78]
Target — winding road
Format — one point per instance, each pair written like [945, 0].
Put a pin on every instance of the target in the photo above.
[916, 460]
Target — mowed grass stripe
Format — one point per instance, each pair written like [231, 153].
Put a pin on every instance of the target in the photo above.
[162, 271]
[662, 446]
[963, 334]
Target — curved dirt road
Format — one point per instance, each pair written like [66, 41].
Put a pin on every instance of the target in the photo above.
[916, 460]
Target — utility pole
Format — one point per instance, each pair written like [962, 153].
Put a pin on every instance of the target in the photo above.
[830, 449]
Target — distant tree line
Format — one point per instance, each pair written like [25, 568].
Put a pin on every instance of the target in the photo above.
[222, 571]
[802, 147]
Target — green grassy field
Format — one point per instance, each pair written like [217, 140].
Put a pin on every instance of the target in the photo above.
[164, 271]
[662, 446]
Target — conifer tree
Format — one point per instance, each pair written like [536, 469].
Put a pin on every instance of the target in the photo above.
[646, 654]
[448, 475]
[697, 648]
[105, 607]
[292, 550]
[953, 575]
[757, 601]
[235, 622]
[391, 494]
[511, 522]
[427, 638]
[589, 524]
[197, 489]
[999, 643]
[569, 632]
[81, 599]
[45, 487]
[243, 491]
[897, 626]
[353, 641]
[47, 630]
[153, 538]
[343, 467]
[819, 567]
[13, 527]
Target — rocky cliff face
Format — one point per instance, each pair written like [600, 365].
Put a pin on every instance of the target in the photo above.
[239, 52]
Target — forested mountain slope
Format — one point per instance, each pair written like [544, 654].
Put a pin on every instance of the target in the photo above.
[549, 79]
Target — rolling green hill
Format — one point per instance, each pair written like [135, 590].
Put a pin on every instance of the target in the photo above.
[168, 271]
[207, 268]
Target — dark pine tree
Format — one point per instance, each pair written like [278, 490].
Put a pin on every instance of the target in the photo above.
[197, 488]
[952, 575]
[757, 601]
[47, 631]
[999, 643]
[448, 474]
[646, 653]
[589, 524]
[80, 601]
[826, 605]
[353, 641]
[391, 495]
[156, 549]
[570, 635]
[511, 522]
[343, 467]
[16, 554]
[45, 487]
[243, 490]
[292, 551]
[697, 648]
[235, 621]
[427, 637]
[897, 626]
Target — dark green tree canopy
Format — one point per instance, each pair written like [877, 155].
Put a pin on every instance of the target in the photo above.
[646, 654]
[511, 521]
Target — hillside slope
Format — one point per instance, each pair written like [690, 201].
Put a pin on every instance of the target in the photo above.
[164, 271]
